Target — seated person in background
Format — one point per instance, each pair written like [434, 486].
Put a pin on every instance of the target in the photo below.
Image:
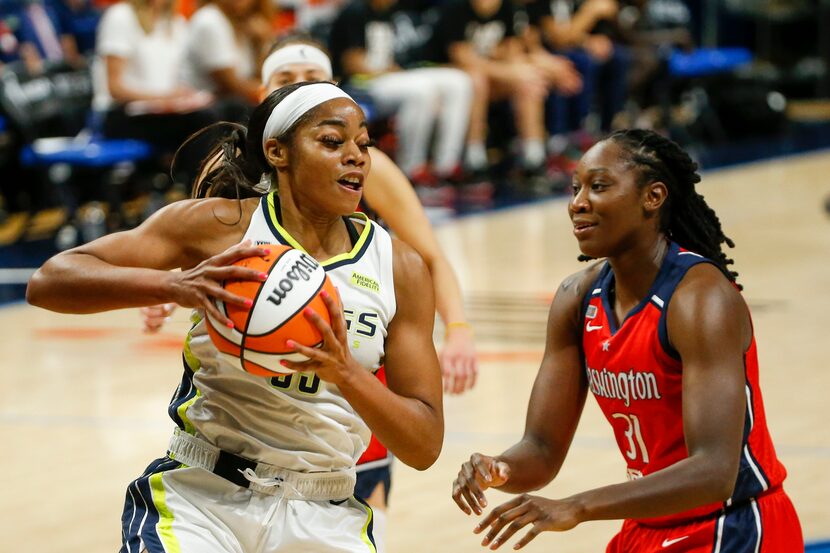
[581, 29]
[651, 29]
[478, 36]
[43, 38]
[136, 76]
[8, 43]
[226, 43]
[80, 19]
[364, 42]
[558, 70]
[564, 112]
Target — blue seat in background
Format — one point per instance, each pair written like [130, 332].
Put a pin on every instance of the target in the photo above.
[60, 133]
[707, 61]
[817, 547]
[693, 71]
[84, 151]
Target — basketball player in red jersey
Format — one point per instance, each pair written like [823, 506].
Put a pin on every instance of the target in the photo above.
[658, 332]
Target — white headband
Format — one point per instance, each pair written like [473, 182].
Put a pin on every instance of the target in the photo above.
[295, 53]
[293, 106]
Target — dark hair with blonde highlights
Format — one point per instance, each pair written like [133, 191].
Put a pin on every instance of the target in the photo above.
[236, 164]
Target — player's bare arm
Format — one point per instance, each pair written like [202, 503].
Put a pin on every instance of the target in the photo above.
[558, 395]
[390, 194]
[132, 268]
[407, 416]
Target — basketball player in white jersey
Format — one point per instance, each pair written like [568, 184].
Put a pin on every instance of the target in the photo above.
[388, 193]
[267, 464]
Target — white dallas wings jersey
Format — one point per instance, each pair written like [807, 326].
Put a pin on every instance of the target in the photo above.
[295, 421]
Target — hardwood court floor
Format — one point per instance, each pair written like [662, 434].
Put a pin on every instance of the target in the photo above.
[83, 398]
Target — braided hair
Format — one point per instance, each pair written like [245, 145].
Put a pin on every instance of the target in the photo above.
[686, 218]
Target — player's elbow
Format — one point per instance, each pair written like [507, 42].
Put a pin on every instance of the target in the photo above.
[720, 480]
[35, 289]
[725, 486]
[45, 288]
[426, 448]
[427, 456]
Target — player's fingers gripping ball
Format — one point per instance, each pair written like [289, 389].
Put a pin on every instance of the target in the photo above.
[257, 342]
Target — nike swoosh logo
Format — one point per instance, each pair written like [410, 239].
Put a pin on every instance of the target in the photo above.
[589, 328]
[667, 543]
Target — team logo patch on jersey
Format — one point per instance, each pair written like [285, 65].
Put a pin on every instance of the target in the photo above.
[365, 282]
[591, 312]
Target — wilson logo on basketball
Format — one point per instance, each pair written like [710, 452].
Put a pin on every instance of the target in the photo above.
[257, 341]
[301, 270]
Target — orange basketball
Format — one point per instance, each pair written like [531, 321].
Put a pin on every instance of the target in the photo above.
[257, 342]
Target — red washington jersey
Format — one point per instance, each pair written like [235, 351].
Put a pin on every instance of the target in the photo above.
[376, 454]
[636, 377]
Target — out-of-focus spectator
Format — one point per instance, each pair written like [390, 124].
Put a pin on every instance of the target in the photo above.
[364, 40]
[315, 16]
[558, 70]
[581, 30]
[8, 43]
[136, 76]
[226, 43]
[652, 29]
[78, 18]
[479, 36]
[565, 110]
[43, 38]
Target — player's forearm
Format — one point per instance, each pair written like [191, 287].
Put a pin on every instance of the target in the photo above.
[81, 283]
[463, 56]
[410, 428]
[531, 466]
[685, 485]
[448, 299]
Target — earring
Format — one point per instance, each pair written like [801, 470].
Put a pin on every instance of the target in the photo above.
[264, 184]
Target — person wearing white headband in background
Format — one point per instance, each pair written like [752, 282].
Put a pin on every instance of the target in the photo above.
[370, 47]
[388, 193]
[253, 466]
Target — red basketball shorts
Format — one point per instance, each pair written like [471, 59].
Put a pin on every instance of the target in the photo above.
[768, 524]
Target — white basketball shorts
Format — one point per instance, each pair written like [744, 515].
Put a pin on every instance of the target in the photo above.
[176, 509]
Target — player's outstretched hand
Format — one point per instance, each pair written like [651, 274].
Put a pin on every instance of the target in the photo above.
[542, 514]
[476, 475]
[155, 316]
[199, 286]
[332, 361]
[459, 365]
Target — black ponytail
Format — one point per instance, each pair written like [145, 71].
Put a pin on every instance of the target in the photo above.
[235, 165]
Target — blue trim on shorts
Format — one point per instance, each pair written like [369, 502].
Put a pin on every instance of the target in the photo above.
[140, 516]
[740, 529]
[370, 527]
